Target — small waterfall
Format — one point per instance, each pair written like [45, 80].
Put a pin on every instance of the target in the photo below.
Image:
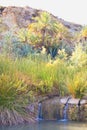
[39, 111]
[65, 117]
[79, 116]
[65, 110]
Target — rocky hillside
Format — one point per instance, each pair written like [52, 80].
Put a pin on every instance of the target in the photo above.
[21, 17]
[71, 26]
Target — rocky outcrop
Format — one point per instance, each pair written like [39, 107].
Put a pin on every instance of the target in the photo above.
[71, 26]
[53, 109]
[18, 16]
[77, 109]
[22, 16]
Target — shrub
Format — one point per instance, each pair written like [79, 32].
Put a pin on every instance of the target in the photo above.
[21, 50]
[12, 88]
[79, 56]
[84, 32]
[77, 85]
[11, 91]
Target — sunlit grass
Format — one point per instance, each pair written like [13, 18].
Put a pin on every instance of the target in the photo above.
[27, 77]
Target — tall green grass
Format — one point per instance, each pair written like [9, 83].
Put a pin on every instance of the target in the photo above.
[26, 78]
[45, 74]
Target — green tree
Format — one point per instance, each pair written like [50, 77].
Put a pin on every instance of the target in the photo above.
[47, 31]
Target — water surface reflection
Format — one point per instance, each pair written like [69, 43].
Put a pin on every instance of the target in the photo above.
[49, 125]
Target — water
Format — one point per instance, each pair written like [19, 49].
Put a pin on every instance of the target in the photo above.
[65, 110]
[49, 125]
[39, 112]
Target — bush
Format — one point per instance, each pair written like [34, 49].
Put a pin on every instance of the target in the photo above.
[11, 91]
[21, 50]
[12, 87]
[77, 84]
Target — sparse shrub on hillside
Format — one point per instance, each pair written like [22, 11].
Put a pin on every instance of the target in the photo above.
[62, 54]
[84, 32]
[68, 47]
[12, 47]
[79, 56]
[21, 50]
[22, 35]
[3, 27]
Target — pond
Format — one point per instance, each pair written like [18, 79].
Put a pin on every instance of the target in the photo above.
[49, 125]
